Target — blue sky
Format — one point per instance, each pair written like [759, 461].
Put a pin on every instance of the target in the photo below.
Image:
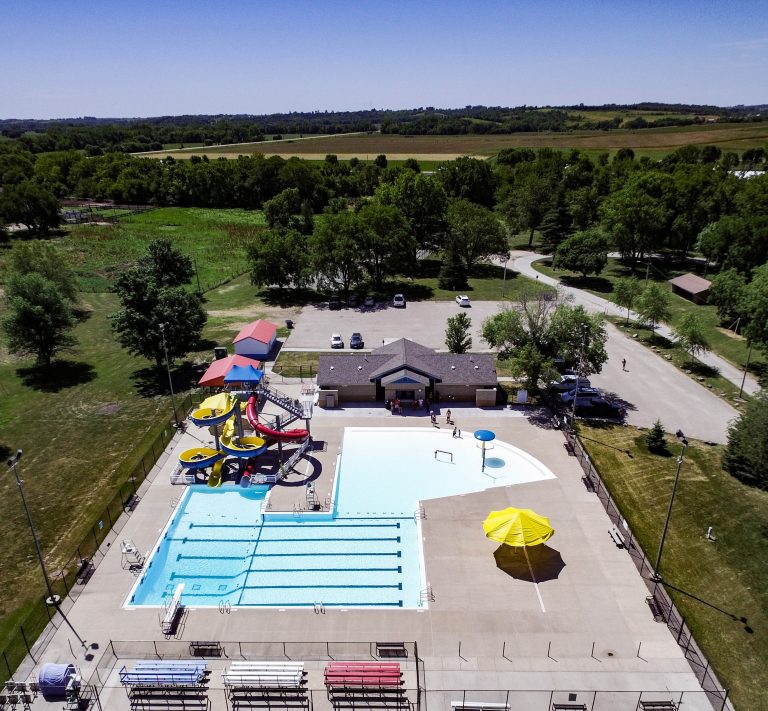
[65, 58]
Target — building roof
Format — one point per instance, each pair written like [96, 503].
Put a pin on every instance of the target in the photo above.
[262, 331]
[214, 376]
[691, 283]
[406, 359]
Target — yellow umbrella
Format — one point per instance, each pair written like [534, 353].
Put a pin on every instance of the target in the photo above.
[517, 527]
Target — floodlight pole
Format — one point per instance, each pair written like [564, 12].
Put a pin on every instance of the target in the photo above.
[656, 577]
[170, 379]
[13, 464]
[579, 372]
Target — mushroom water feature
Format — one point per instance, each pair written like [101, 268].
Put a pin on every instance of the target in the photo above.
[484, 437]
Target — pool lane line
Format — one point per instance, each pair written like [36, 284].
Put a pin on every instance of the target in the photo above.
[394, 539]
[253, 555]
[313, 554]
[300, 524]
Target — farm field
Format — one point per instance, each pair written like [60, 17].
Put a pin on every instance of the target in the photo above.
[721, 588]
[649, 141]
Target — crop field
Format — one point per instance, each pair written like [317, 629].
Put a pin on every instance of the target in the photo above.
[651, 141]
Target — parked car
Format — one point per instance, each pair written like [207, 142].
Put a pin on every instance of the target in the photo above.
[356, 341]
[398, 301]
[566, 383]
[598, 406]
[580, 394]
[352, 300]
[334, 303]
[336, 341]
[463, 300]
[369, 301]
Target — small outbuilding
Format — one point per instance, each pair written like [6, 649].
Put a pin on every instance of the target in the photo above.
[256, 339]
[691, 287]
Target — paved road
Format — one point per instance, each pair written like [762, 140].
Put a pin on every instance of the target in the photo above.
[652, 387]
[522, 262]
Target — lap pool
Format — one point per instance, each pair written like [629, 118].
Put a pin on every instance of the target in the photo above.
[225, 550]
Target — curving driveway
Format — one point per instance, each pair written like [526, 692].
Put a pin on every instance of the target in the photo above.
[651, 387]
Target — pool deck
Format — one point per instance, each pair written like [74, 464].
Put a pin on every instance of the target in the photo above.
[587, 627]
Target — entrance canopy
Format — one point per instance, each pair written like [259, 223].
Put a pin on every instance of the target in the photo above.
[405, 377]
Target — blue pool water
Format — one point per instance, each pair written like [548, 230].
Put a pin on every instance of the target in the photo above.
[224, 550]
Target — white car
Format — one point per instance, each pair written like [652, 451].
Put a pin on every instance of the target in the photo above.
[463, 300]
[336, 341]
[398, 301]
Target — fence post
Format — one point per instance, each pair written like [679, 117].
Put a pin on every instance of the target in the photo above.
[26, 644]
[7, 665]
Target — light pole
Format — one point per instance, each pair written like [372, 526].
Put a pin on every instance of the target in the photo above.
[684, 442]
[504, 280]
[13, 464]
[163, 326]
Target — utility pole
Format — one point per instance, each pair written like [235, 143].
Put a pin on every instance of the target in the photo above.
[579, 372]
[163, 326]
[746, 365]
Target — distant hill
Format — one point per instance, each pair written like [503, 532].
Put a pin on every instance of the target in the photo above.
[97, 135]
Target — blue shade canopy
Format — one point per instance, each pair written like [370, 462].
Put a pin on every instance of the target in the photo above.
[243, 374]
[485, 435]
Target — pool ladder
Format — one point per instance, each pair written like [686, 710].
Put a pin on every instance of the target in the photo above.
[427, 595]
[319, 608]
[419, 513]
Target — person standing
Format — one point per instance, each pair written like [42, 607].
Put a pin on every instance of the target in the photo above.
[623, 363]
[448, 417]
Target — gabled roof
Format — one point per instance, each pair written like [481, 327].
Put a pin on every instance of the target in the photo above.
[219, 368]
[262, 331]
[691, 283]
[402, 353]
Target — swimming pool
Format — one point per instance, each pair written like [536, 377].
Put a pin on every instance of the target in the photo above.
[226, 551]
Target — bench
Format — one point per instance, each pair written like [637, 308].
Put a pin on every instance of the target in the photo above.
[656, 610]
[569, 448]
[617, 537]
[569, 707]
[206, 649]
[478, 706]
[588, 483]
[658, 705]
[85, 571]
[131, 502]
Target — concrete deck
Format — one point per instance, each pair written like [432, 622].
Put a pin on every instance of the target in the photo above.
[587, 627]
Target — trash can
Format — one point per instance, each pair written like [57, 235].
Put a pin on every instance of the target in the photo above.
[288, 323]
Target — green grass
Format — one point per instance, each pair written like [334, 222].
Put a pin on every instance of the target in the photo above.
[724, 343]
[216, 240]
[729, 577]
[80, 427]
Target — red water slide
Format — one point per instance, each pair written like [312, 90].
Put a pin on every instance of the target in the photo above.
[284, 435]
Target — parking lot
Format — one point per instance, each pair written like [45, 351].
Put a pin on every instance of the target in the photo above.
[422, 321]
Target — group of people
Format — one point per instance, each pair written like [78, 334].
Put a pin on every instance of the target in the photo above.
[448, 421]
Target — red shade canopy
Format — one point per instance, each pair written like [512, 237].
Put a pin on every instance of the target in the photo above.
[214, 376]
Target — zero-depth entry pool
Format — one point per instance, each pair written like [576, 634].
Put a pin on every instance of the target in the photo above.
[369, 555]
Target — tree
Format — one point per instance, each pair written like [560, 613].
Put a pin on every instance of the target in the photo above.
[528, 203]
[422, 201]
[653, 304]
[30, 205]
[457, 334]
[43, 258]
[690, 334]
[453, 272]
[557, 223]
[583, 252]
[279, 257]
[475, 231]
[151, 293]
[468, 178]
[388, 248]
[40, 317]
[716, 239]
[531, 333]
[380, 161]
[283, 209]
[756, 305]
[337, 250]
[625, 292]
[655, 439]
[746, 455]
[727, 294]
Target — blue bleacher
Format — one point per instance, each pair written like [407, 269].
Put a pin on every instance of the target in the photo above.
[164, 673]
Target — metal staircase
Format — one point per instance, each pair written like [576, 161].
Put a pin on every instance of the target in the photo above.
[288, 404]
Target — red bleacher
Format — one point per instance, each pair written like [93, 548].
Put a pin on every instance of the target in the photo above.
[363, 674]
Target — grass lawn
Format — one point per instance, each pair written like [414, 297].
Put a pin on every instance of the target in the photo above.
[723, 342]
[720, 588]
[216, 240]
[80, 427]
